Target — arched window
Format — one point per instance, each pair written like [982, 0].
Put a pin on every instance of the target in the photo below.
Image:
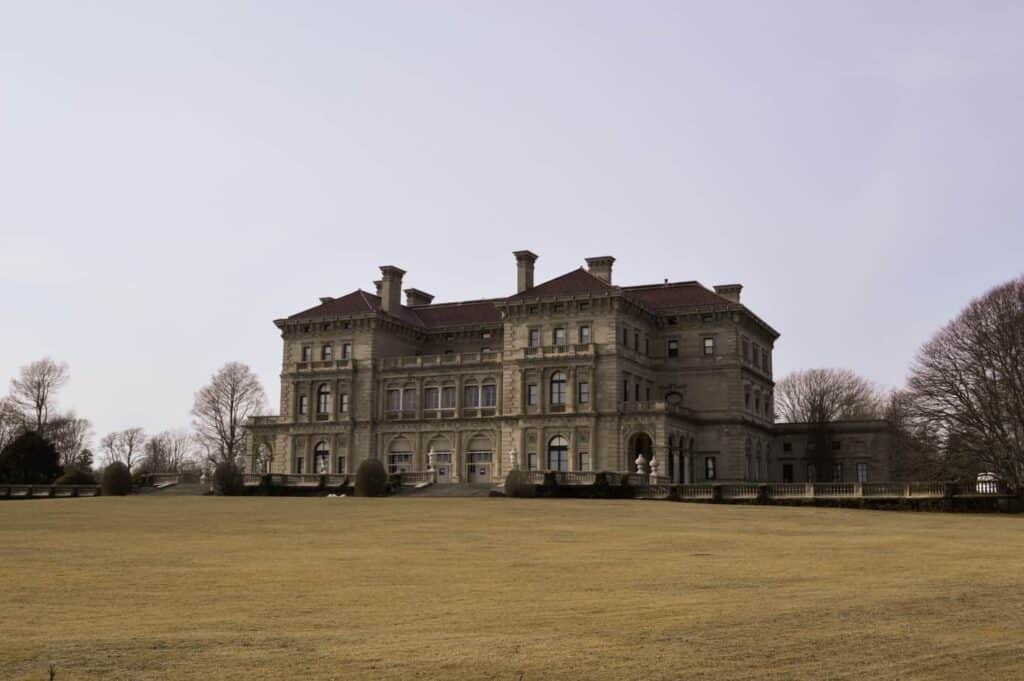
[321, 456]
[323, 395]
[557, 388]
[558, 454]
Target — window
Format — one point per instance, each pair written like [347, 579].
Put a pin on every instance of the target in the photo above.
[430, 398]
[636, 392]
[341, 465]
[326, 352]
[558, 336]
[584, 306]
[531, 461]
[625, 336]
[448, 397]
[303, 404]
[812, 473]
[647, 346]
[399, 463]
[394, 400]
[321, 457]
[307, 353]
[862, 473]
[584, 461]
[636, 341]
[787, 472]
[471, 396]
[836, 445]
[557, 388]
[531, 395]
[485, 335]
[709, 468]
[298, 465]
[484, 351]
[534, 338]
[787, 446]
[558, 454]
[584, 334]
[409, 399]
[746, 400]
[673, 348]
[648, 393]
[757, 404]
[837, 472]
[625, 390]
[583, 392]
[343, 403]
[489, 395]
[709, 346]
[323, 395]
[346, 350]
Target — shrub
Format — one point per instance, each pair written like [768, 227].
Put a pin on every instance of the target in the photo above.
[76, 476]
[371, 479]
[227, 479]
[518, 484]
[29, 459]
[117, 480]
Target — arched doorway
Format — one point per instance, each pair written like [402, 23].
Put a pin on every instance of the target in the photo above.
[479, 459]
[400, 455]
[558, 454]
[639, 443]
[321, 458]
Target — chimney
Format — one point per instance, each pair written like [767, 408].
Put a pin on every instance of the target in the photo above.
[378, 284]
[601, 267]
[414, 296]
[729, 291]
[524, 270]
[391, 288]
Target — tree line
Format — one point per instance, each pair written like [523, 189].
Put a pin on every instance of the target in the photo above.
[961, 412]
[39, 444]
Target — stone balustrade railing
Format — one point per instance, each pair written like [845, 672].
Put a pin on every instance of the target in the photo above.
[453, 359]
[8, 491]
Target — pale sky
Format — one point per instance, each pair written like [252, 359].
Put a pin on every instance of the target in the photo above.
[174, 176]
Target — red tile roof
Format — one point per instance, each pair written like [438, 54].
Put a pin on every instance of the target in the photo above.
[579, 281]
[675, 296]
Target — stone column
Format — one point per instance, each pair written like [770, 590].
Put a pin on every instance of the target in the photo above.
[570, 397]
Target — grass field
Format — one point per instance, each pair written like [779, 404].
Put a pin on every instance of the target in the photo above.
[269, 588]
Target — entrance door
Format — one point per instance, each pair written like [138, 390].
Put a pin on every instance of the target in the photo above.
[787, 472]
[479, 467]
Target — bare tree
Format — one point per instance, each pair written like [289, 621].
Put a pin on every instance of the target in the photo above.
[12, 422]
[826, 395]
[223, 407]
[169, 452]
[34, 392]
[124, 446]
[968, 382]
[71, 436]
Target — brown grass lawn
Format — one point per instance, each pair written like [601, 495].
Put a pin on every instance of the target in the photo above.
[270, 588]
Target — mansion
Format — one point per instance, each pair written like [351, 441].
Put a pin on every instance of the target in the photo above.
[572, 374]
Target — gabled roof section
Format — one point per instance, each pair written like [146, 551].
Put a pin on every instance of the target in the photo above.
[677, 295]
[357, 302]
[470, 313]
[577, 282]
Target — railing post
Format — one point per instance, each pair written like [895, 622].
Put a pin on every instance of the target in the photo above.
[906, 491]
[809, 490]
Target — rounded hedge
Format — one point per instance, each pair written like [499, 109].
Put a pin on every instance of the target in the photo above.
[517, 484]
[371, 479]
[117, 480]
[227, 479]
[75, 476]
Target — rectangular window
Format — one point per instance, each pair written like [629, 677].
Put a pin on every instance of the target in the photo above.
[399, 463]
[298, 465]
[673, 348]
[394, 400]
[489, 395]
[322, 398]
[625, 336]
[709, 468]
[448, 397]
[341, 465]
[430, 398]
[343, 403]
[531, 395]
[837, 472]
[625, 390]
[636, 341]
[558, 459]
[787, 472]
[558, 391]
[648, 393]
[583, 392]
[812, 473]
[471, 396]
[558, 336]
[709, 346]
[746, 350]
[534, 338]
[326, 352]
[584, 334]
[409, 399]
[862, 473]
[636, 392]
[307, 353]
[584, 461]
[303, 404]
[787, 446]
[531, 461]
[647, 346]
[346, 350]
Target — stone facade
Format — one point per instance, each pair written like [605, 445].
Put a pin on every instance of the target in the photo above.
[572, 374]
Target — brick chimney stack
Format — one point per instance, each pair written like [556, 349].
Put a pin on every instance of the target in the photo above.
[601, 267]
[524, 270]
[391, 288]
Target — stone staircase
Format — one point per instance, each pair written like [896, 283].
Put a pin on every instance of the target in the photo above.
[182, 489]
[463, 489]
